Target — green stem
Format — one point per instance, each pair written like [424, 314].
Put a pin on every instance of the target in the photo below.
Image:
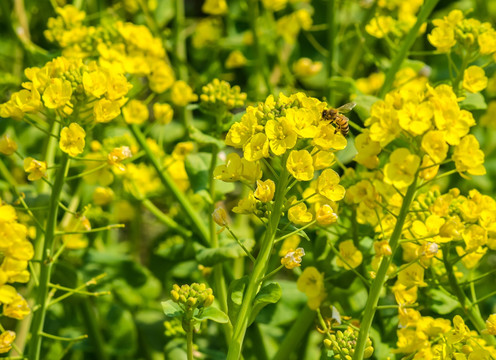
[272, 273]
[331, 42]
[218, 269]
[260, 267]
[295, 334]
[167, 181]
[180, 41]
[295, 232]
[260, 64]
[468, 307]
[377, 285]
[406, 44]
[189, 342]
[168, 221]
[46, 265]
[461, 71]
[51, 149]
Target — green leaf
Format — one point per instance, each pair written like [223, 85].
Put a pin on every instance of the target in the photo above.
[442, 303]
[342, 84]
[363, 105]
[171, 309]
[416, 65]
[381, 349]
[197, 167]
[228, 249]
[269, 294]
[235, 296]
[204, 139]
[473, 101]
[214, 314]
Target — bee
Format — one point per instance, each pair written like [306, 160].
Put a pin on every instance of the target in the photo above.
[336, 117]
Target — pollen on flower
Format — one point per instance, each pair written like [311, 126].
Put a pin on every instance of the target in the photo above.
[292, 258]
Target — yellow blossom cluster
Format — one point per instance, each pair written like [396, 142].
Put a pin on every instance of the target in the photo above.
[292, 128]
[393, 18]
[430, 338]
[69, 87]
[432, 118]
[470, 34]
[16, 252]
[130, 48]
[218, 96]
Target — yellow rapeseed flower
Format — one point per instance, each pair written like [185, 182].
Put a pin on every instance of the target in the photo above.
[469, 157]
[103, 195]
[491, 324]
[6, 340]
[311, 282]
[292, 258]
[36, 169]
[300, 165]
[7, 145]
[298, 214]
[265, 190]
[72, 139]
[17, 309]
[163, 113]
[350, 254]
[215, 7]
[474, 79]
[106, 110]
[401, 168]
[135, 112]
[328, 185]
[57, 94]
[182, 94]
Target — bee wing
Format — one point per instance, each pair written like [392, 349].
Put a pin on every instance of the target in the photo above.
[346, 107]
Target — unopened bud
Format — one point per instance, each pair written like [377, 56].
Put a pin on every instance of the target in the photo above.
[220, 216]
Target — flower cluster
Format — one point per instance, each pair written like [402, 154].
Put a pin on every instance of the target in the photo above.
[292, 128]
[16, 252]
[120, 47]
[292, 258]
[432, 118]
[455, 32]
[311, 282]
[192, 296]
[430, 338]
[342, 344]
[393, 18]
[218, 97]
[66, 86]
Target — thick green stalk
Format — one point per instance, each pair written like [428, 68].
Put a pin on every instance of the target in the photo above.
[406, 44]
[189, 342]
[468, 307]
[331, 48]
[167, 181]
[46, 264]
[180, 41]
[296, 333]
[218, 270]
[260, 70]
[260, 267]
[377, 285]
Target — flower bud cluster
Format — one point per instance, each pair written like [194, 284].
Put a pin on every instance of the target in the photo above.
[470, 34]
[218, 96]
[192, 296]
[343, 343]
